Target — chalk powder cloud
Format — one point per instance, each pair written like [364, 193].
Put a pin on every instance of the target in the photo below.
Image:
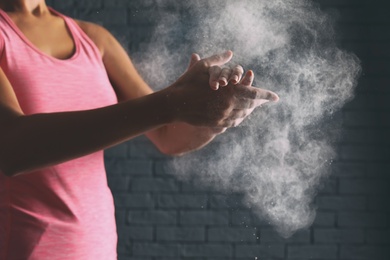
[278, 157]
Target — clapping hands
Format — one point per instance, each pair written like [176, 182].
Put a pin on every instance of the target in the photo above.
[210, 95]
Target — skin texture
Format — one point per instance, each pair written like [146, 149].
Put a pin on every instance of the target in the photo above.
[202, 103]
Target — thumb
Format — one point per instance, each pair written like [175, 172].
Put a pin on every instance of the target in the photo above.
[219, 59]
[194, 58]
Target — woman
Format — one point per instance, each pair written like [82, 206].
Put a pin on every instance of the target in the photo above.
[60, 83]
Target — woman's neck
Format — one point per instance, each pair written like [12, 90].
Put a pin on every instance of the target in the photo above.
[34, 7]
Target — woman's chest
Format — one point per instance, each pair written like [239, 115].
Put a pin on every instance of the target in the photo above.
[51, 36]
[43, 85]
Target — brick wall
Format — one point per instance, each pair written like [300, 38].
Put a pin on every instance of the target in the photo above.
[159, 217]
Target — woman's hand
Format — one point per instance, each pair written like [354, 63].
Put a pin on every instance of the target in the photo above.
[221, 76]
[195, 103]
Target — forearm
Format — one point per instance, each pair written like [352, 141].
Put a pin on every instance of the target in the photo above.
[181, 138]
[30, 142]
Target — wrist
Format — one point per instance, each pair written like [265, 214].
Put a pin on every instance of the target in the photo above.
[170, 104]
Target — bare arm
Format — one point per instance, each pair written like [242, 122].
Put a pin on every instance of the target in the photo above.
[177, 138]
[31, 142]
[35, 141]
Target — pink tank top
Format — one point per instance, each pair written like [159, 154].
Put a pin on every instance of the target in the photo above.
[65, 211]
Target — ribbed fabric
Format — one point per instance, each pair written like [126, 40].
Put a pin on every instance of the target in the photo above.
[65, 211]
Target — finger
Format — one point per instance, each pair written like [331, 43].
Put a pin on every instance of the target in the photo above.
[219, 59]
[245, 103]
[237, 114]
[247, 80]
[223, 78]
[233, 122]
[194, 58]
[257, 94]
[214, 72]
[236, 75]
[218, 130]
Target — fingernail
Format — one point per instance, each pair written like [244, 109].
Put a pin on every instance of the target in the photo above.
[235, 80]
[222, 82]
[275, 98]
[215, 85]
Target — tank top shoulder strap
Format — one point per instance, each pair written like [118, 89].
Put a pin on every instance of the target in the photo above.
[3, 24]
[80, 37]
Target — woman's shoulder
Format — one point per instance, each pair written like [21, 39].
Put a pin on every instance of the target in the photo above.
[97, 33]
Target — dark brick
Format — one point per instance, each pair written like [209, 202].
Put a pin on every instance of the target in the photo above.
[144, 4]
[183, 201]
[241, 218]
[115, 3]
[64, 4]
[189, 258]
[379, 50]
[336, 236]
[364, 253]
[363, 186]
[120, 217]
[226, 202]
[379, 203]
[341, 3]
[357, 136]
[157, 250]
[362, 219]
[126, 257]
[133, 200]
[180, 234]
[119, 151]
[355, 33]
[366, 136]
[144, 150]
[210, 250]
[270, 236]
[226, 234]
[129, 167]
[380, 171]
[363, 153]
[195, 187]
[356, 118]
[143, 17]
[163, 168]
[349, 170]
[379, 33]
[260, 221]
[118, 183]
[368, 101]
[374, 85]
[135, 233]
[260, 251]
[132, 4]
[295, 252]
[194, 217]
[378, 236]
[360, 14]
[114, 16]
[88, 4]
[378, 67]
[154, 184]
[329, 186]
[159, 217]
[361, 49]
[325, 219]
[342, 203]
[143, 35]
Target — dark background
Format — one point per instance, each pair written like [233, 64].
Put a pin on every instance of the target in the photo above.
[159, 217]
